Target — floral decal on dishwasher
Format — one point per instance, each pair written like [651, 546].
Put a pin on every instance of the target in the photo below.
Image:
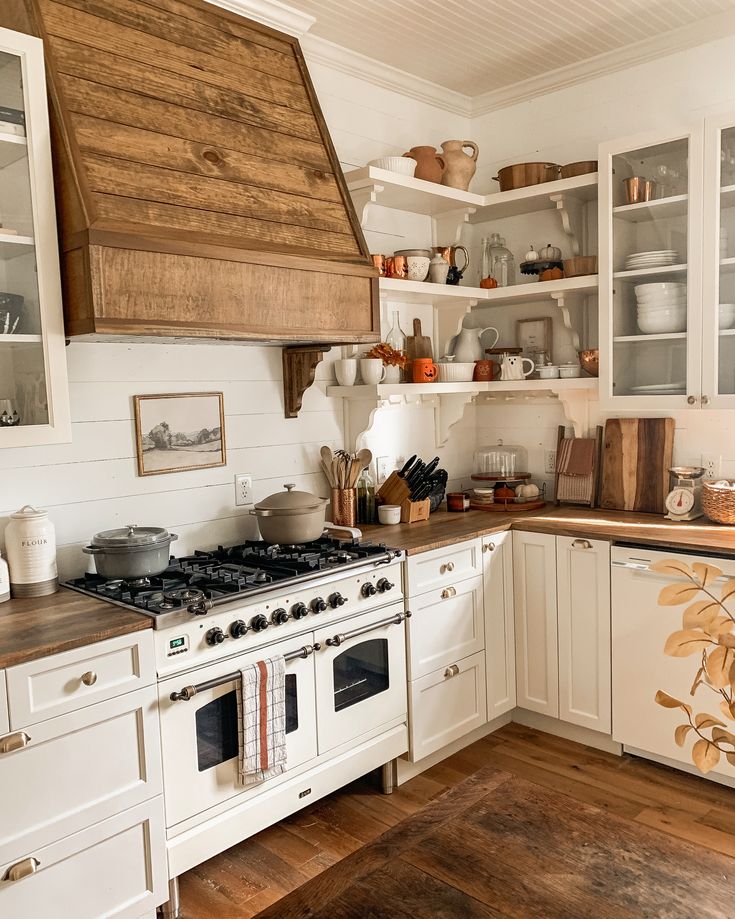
[708, 630]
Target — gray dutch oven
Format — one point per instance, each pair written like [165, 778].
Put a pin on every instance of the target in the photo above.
[289, 516]
[131, 551]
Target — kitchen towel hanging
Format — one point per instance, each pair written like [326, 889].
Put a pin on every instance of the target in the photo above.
[261, 720]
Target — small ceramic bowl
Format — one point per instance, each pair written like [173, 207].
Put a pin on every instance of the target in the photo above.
[403, 165]
[548, 372]
[461, 372]
[569, 371]
[389, 513]
[418, 267]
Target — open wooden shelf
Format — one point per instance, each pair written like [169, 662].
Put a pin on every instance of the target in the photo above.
[449, 295]
[535, 198]
[386, 390]
[658, 209]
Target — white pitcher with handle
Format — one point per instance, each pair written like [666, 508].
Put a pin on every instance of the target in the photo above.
[511, 367]
[467, 345]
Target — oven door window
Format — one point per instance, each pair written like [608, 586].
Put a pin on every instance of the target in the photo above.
[216, 725]
[360, 672]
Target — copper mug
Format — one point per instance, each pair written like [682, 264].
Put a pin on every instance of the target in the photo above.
[396, 266]
[379, 262]
[449, 254]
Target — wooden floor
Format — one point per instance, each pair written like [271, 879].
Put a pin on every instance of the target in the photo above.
[249, 877]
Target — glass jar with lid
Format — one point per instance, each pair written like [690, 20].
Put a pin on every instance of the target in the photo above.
[500, 461]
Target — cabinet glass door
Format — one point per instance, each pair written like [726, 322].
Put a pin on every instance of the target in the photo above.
[653, 283]
[33, 396]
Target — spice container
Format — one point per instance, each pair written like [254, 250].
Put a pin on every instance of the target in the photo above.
[458, 501]
[30, 545]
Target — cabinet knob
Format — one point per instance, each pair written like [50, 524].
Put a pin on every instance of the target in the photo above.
[451, 671]
[22, 869]
[89, 678]
[488, 547]
[581, 544]
[14, 742]
[705, 400]
[449, 566]
[448, 592]
[691, 400]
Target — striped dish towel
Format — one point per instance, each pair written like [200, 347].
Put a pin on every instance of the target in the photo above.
[261, 720]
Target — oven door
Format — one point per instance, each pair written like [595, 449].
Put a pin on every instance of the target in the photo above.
[361, 675]
[199, 736]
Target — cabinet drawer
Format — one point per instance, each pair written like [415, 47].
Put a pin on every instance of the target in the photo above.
[64, 682]
[75, 770]
[446, 705]
[4, 721]
[447, 625]
[115, 869]
[430, 570]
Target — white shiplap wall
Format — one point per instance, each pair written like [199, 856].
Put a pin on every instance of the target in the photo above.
[91, 483]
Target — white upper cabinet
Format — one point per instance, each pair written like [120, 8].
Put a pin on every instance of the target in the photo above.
[34, 399]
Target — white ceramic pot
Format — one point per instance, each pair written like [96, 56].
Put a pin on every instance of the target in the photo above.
[569, 371]
[372, 370]
[548, 372]
[346, 371]
[401, 164]
[460, 372]
[418, 267]
[389, 513]
[438, 270]
[30, 547]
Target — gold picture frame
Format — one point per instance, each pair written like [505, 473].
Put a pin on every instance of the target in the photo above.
[179, 432]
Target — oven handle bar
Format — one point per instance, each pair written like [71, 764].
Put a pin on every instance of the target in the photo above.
[188, 692]
[341, 637]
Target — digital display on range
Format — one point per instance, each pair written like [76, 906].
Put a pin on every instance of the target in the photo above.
[176, 643]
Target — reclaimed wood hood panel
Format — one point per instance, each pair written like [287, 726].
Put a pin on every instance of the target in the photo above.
[198, 190]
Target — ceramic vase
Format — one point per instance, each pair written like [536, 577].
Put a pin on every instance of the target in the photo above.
[429, 164]
[459, 167]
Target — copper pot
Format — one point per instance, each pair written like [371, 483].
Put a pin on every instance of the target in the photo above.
[582, 168]
[521, 175]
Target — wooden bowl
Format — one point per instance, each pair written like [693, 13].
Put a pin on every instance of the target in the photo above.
[580, 265]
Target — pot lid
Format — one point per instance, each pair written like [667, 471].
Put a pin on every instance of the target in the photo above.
[290, 501]
[28, 512]
[132, 535]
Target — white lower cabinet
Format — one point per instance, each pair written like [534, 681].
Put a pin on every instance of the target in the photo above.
[499, 626]
[4, 720]
[446, 704]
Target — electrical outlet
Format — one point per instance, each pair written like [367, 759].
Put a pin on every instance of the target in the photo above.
[712, 465]
[243, 490]
[382, 469]
[550, 461]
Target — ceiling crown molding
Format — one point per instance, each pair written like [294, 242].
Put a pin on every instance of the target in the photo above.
[270, 13]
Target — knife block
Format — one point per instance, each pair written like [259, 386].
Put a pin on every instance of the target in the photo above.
[413, 511]
[395, 491]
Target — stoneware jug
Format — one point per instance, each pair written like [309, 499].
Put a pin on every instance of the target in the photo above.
[459, 167]
[467, 346]
[511, 367]
[438, 270]
[429, 164]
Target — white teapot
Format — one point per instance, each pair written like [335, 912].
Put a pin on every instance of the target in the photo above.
[511, 367]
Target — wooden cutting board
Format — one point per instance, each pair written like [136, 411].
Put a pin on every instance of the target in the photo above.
[636, 456]
[418, 345]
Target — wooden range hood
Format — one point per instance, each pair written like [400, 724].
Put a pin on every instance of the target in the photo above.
[198, 190]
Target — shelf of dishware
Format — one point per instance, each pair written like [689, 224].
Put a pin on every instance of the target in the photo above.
[386, 390]
[406, 193]
[450, 294]
[12, 245]
[644, 337]
[656, 209]
[13, 147]
[636, 273]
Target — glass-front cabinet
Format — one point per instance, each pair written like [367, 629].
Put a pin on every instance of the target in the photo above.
[34, 402]
[651, 272]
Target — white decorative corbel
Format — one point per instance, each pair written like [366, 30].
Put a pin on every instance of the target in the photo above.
[560, 300]
[362, 198]
[570, 210]
[447, 226]
[448, 411]
[576, 405]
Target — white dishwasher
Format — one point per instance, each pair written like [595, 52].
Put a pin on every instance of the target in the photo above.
[640, 668]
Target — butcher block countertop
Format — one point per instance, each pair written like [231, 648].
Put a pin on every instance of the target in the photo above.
[34, 628]
[444, 529]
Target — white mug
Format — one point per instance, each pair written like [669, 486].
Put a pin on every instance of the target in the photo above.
[372, 370]
[511, 367]
[346, 371]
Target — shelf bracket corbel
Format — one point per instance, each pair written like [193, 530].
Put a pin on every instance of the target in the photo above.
[569, 209]
[576, 405]
[447, 226]
[448, 411]
[363, 197]
[560, 300]
[299, 368]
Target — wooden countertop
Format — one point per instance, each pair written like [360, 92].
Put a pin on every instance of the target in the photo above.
[444, 529]
[34, 628]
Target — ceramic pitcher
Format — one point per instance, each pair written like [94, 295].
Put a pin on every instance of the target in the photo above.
[468, 348]
[459, 167]
[429, 164]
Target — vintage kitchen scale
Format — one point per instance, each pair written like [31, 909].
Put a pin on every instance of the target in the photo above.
[499, 467]
[684, 500]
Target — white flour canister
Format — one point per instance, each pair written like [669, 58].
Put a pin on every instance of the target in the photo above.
[30, 548]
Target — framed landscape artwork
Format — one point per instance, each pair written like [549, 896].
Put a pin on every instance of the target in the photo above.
[179, 431]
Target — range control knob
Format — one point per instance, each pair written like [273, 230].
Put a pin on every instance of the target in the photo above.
[336, 600]
[299, 610]
[238, 628]
[215, 636]
[259, 623]
[368, 589]
[318, 605]
[279, 617]
[384, 585]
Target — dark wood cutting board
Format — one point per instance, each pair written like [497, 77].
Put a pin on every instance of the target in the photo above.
[418, 345]
[636, 456]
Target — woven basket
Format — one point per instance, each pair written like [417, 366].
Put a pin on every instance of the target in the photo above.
[719, 503]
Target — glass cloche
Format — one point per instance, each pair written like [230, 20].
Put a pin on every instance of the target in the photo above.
[500, 462]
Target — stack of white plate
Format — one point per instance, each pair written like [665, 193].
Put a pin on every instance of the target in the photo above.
[662, 307]
[655, 258]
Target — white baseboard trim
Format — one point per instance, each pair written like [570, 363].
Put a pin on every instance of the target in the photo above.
[568, 731]
[682, 767]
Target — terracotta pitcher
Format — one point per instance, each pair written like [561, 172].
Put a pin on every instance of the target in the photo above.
[459, 167]
[429, 164]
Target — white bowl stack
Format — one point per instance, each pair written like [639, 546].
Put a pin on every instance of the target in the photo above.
[662, 307]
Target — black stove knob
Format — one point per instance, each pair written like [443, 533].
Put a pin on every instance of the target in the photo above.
[318, 605]
[368, 589]
[279, 617]
[336, 600]
[299, 610]
[384, 585]
[238, 628]
[259, 623]
[215, 636]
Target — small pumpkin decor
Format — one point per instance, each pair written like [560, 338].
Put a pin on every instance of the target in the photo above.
[488, 283]
[550, 253]
[527, 491]
[504, 493]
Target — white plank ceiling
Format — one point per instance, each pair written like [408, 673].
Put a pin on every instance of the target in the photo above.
[480, 46]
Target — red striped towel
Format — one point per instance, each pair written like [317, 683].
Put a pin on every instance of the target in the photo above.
[261, 721]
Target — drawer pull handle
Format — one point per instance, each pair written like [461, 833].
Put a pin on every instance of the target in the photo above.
[449, 592]
[451, 671]
[14, 742]
[581, 544]
[21, 870]
[89, 678]
[449, 566]
[488, 547]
